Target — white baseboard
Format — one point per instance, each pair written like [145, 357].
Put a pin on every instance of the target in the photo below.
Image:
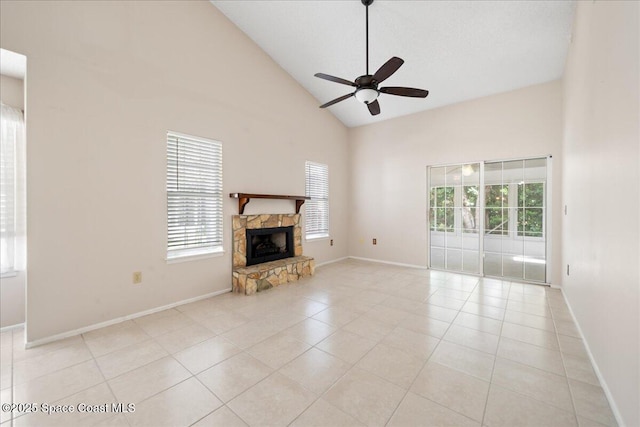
[11, 328]
[603, 383]
[332, 261]
[379, 261]
[93, 327]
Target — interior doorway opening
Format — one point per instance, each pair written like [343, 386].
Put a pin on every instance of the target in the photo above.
[13, 190]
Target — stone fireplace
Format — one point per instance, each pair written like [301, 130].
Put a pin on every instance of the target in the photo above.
[267, 252]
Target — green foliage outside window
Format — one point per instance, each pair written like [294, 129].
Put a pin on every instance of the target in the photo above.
[441, 215]
[470, 200]
[496, 218]
[530, 209]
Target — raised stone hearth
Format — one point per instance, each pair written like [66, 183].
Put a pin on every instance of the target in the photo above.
[258, 277]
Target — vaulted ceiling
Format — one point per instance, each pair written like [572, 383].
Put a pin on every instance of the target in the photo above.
[458, 50]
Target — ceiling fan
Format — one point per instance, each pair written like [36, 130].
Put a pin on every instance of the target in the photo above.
[367, 90]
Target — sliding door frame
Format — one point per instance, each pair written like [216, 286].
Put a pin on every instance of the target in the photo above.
[548, 216]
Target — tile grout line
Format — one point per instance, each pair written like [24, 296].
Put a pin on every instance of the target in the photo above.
[104, 377]
[427, 361]
[495, 359]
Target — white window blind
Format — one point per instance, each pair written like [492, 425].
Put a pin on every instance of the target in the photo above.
[12, 191]
[194, 195]
[317, 209]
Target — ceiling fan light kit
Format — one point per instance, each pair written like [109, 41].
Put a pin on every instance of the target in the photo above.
[367, 90]
[366, 95]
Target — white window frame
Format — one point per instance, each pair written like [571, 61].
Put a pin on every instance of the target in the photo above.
[317, 208]
[194, 197]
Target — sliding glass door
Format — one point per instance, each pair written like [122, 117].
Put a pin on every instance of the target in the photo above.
[454, 216]
[514, 212]
[505, 203]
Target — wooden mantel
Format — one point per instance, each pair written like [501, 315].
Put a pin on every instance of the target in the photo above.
[244, 198]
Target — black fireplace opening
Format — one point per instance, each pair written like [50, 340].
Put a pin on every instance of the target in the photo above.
[269, 244]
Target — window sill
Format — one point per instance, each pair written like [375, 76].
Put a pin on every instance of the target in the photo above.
[317, 237]
[195, 256]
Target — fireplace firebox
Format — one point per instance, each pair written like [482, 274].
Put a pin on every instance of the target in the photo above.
[269, 244]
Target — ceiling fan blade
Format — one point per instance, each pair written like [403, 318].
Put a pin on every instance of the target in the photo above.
[405, 91]
[387, 69]
[334, 79]
[374, 108]
[335, 101]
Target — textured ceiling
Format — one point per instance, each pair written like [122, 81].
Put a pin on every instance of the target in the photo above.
[458, 50]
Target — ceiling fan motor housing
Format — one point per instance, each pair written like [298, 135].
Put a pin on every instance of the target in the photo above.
[367, 89]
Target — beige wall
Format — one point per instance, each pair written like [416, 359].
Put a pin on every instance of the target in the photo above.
[106, 81]
[389, 159]
[601, 180]
[12, 291]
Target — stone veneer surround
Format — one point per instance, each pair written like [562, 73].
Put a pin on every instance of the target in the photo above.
[255, 278]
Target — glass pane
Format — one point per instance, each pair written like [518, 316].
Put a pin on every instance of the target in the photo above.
[530, 222]
[513, 266]
[496, 195]
[437, 257]
[496, 221]
[457, 213]
[533, 195]
[535, 270]
[448, 219]
[471, 174]
[447, 196]
[454, 259]
[535, 169]
[440, 219]
[492, 264]
[470, 201]
[432, 219]
[436, 176]
[512, 172]
[454, 175]
[470, 262]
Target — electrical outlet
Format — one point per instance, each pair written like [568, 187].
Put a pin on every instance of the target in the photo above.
[375, 241]
[137, 277]
[331, 242]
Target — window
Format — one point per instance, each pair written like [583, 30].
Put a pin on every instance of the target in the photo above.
[194, 196]
[12, 191]
[317, 209]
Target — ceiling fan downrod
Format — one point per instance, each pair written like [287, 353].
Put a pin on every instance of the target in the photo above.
[367, 3]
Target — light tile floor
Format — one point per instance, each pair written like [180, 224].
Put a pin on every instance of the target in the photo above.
[358, 344]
